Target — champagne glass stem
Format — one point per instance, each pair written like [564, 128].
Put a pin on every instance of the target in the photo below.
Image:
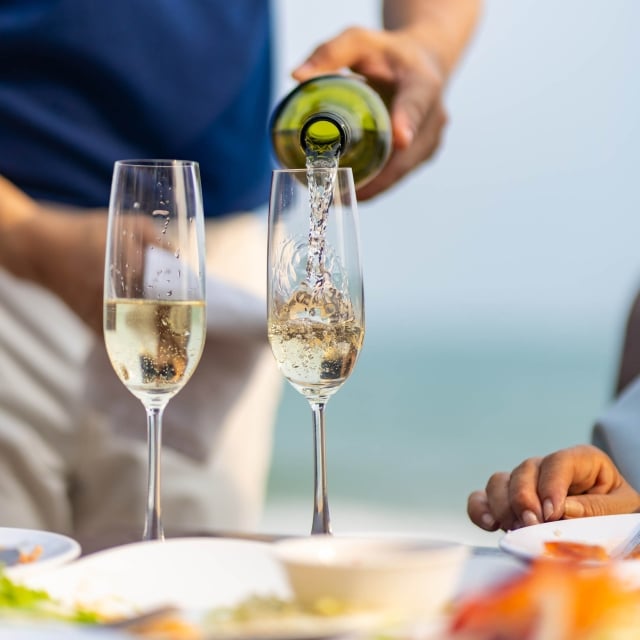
[153, 521]
[321, 520]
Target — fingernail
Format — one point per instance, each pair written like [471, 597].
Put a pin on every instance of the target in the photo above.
[573, 508]
[547, 508]
[529, 518]
[488, 521]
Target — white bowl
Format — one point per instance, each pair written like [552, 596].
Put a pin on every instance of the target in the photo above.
[401, 575]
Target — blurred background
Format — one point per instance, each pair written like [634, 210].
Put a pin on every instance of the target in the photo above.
[498, 277]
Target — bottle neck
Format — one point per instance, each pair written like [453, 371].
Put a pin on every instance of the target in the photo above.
[324, 133]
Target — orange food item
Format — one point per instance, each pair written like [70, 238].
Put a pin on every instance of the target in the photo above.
[564, 601]
[169, 628]
[30, 556]
[566, 550]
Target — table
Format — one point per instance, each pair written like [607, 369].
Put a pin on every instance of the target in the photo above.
[487, 566]
[155, 571]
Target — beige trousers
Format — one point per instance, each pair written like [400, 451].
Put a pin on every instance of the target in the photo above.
[73, 455]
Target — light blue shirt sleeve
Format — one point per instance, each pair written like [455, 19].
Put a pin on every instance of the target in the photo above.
[617, 433]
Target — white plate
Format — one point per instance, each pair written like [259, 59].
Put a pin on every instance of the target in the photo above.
[608, 531]
[194, 573]
[56, 549]
[197, 575]
[44, 631]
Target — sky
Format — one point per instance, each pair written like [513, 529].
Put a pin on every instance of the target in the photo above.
[529, 216]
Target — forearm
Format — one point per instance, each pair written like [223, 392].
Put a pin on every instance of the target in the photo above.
[17, 215]
[444, 26]
[55, 247]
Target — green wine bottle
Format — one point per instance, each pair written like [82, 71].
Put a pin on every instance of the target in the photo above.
[333, 119]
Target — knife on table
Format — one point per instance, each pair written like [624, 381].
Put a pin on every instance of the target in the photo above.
[629, 549]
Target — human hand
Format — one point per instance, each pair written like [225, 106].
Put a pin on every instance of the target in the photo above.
[408, 77]
[576, 482]
[57, 248]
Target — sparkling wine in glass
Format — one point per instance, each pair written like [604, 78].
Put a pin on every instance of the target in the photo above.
[154, 293]
[315, 300]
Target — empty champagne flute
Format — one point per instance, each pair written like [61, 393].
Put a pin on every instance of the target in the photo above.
[315, 300]
[154, 293]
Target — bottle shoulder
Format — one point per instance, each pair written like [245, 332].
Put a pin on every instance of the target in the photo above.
[348, 95]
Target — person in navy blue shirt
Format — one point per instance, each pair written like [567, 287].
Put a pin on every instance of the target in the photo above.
[83, 84]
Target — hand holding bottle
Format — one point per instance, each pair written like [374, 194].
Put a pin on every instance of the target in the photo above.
[402, 72]
[332, 120]
[408, 63]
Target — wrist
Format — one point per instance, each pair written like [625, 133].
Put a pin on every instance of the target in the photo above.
[18, 255]
[18, 219]
[443, 28]
[432, 46]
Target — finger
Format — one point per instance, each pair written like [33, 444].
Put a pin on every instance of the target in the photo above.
[594, 505]
[594, 471]
[479, 512]
[353, 47]
[497, 491]
[523, 492]
[572, 471]
[624, 499]
[555, 479]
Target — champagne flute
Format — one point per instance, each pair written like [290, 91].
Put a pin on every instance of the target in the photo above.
[315, 301]
[154, 293]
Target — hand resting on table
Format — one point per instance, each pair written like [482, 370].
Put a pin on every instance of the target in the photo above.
[576, 482]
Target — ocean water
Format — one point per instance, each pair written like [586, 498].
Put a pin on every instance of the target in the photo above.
[425, 419]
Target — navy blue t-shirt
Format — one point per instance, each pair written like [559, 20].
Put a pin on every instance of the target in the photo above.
[84, 83]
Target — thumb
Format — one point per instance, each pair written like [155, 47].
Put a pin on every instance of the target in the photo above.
[588, 505]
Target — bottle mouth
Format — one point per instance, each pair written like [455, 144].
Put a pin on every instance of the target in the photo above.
[324, 132]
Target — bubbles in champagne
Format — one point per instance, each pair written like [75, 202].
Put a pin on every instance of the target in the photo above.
[154, 346]
[320, 181]
[315, 357]
[321, 304]
[313, 330]
[323, 294]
